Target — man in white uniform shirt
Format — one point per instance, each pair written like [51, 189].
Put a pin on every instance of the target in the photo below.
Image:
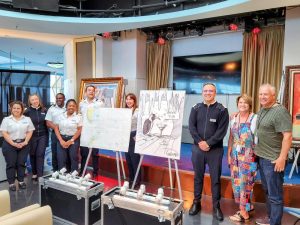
[89, 101]
[51, 120]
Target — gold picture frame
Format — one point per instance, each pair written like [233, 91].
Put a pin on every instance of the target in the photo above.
[108, 89]
[293, 84]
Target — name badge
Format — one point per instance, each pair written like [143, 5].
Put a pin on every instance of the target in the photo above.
[255, 140]
[238, 148]
[212, 120]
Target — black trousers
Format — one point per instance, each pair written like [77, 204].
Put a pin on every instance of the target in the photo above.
[84, 152]
[15, 161]
[214, 160]
[37, 154]
[132, 159]
[54, 142]
[68, 157]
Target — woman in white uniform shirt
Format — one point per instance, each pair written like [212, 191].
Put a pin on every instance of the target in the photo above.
[132, 159]
[67, 132]
[17, 130]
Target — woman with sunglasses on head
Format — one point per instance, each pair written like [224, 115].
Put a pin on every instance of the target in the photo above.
[17, 130]
[40, 137]
[132, 158]
[68, 131]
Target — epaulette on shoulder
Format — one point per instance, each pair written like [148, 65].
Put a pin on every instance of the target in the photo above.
[196, 106]
[221, 106]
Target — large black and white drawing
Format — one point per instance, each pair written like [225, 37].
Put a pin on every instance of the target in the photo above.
[160, 123]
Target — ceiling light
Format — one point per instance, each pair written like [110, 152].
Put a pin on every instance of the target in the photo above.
[55, 65]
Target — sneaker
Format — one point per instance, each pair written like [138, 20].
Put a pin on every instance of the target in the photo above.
[12, 187]
[34, 178]
[263, 221]
[22, 185]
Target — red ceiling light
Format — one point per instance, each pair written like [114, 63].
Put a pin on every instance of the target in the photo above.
[233, 27]
[106, 35]
[256, 30]
[161, 41]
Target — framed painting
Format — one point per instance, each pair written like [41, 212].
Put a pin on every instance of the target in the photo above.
[108, 89]
[293, 75]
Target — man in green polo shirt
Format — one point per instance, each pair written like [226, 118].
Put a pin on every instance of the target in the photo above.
[274, 139]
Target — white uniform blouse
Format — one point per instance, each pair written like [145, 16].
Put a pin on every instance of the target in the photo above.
[84, 105]
[53, 113]
[68, 125]
[17, 129]
[134, 120]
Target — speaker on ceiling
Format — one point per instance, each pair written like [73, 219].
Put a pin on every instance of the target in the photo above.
[43, 5]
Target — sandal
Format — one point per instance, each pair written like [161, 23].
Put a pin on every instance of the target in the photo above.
[237, 217]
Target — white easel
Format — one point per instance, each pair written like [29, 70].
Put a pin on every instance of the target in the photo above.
[170, 175]
[117, 161]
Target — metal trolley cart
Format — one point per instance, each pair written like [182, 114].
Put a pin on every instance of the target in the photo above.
[129, 208]
[73, 200]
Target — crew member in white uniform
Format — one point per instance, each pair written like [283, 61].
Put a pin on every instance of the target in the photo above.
[89, 101]
[17, 130]
[51, 120]
[68, 130]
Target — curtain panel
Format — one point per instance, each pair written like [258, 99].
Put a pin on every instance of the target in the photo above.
[262, 61]
[158, 65]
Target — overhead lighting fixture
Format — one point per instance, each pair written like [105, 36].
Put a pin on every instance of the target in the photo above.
[233, 27]
[55, 65]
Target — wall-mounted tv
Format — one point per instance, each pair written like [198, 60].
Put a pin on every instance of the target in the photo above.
[222, 69]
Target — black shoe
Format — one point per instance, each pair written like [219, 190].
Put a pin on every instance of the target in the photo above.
[12, 187]
[22, 185]
[195, 208]
[218, 214]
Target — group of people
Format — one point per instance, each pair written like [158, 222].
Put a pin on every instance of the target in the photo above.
[26, 132]
[257, 141]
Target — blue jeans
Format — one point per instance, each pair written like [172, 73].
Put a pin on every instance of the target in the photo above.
[273, 185]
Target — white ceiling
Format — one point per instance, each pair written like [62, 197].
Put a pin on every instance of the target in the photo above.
[40, 39]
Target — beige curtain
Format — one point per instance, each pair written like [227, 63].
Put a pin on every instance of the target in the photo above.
[262, 61]
[158, 64]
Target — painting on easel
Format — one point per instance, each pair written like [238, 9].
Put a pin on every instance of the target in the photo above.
[293, 74]
[160, 123]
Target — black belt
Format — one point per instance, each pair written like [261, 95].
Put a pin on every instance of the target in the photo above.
[66, 137]
[19, 140]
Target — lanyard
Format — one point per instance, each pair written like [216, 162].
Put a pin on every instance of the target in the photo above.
[259, 120]
[239, 124]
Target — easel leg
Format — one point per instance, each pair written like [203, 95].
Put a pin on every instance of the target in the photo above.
[170, 173]
[87, 162]
[118, 169]
[122, 165]
[137, 171]
[178, 180]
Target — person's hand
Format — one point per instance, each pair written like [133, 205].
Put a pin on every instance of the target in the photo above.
[17, 145]
[134, 138]
[279, 164]
[229, 160]
[63, 144]
[70, 142]
[203, 146]
[24, 143]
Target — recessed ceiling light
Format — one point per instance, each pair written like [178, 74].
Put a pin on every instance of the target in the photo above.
[55, 65]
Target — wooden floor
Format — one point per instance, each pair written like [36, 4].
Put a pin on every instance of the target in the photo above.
[22, 198]
[159, 176]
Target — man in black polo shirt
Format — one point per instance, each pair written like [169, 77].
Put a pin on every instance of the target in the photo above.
[208, 125]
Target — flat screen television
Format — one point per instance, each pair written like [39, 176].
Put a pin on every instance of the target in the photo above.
[222, 69]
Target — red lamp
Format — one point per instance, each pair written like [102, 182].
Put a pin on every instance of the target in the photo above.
[161, 41]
